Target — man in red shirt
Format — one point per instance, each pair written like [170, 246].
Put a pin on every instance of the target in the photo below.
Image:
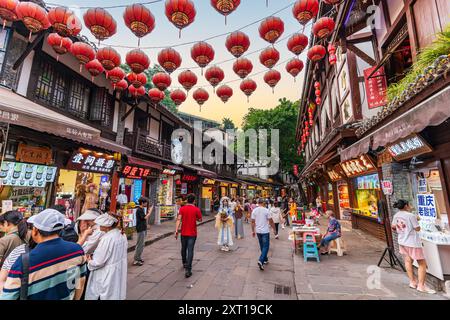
[188, 217]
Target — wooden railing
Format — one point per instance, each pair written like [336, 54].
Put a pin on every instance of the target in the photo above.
[143, 144]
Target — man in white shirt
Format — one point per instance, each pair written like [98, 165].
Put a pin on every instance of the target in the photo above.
[260, 226]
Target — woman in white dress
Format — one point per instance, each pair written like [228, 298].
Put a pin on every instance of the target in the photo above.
[108, 265]
[224, 224]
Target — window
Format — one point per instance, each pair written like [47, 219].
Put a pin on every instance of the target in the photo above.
[79, 99]
[4, 36]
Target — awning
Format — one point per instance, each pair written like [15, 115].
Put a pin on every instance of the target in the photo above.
[18, 110]
[201, 172]
[431, 112]
[144, 163]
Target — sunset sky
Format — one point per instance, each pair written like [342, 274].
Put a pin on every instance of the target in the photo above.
[209, 23]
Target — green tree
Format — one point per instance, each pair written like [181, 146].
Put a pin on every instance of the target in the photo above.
[227, 123]
[167, 102]
[284, 118]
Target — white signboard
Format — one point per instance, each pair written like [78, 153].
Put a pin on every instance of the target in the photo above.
[426, 207]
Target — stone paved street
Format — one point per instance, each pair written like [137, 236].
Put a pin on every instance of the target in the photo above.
[235, 275]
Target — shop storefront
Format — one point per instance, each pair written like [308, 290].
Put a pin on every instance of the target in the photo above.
[234, 190]
[186, 183]
[251, 192]
[223, 189]
[340, 205]
[208, 193]
[166, 194]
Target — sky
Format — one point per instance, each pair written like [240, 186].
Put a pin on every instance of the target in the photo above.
[209, 23]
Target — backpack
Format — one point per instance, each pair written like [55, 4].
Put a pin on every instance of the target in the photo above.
[69, 233]
[26, 271]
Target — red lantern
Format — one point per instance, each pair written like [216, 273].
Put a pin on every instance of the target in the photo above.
[180, 12]
[297, 43]
[139, 20]
[316, 53]
[294, 67]
[137, 60]
[109, 58]
[214, 76]
[169, 60]
[116, 75]
[318, 93]
[272, 78]
[269, 57]
[64, 22]
[332, 2]
[248, 86]
[317, 85]
[323, 27]
[332, 59]
[187, 79]
[178, 97]
[224, 93]
[243, 67]
[136, 92]
[305, 10]
[137, 80]
[100, 22]
[225, 7]
[83, 52]
[8, 11]
[237, 43]
[331, 49]
[121, 85]
[201, 96]
[95, 68]
[162, 81]
[318, 101]
[271, 29]
[61, 45]
[33, 16]
[156, 95]
[202, 53]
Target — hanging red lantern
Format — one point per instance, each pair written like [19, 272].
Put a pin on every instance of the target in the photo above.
[237, 43]
[33, 16]
[64, 22]
[214, 76]
[116, 75]
[122, 85]
[95, 68]
[169, 59]
[331, 49]
[305, 10]
[109, 58]
[248, 86]
[243, 67]
[178, 97]
[61, 45]
[83, 52]
[269, 57]
[318, 93]
[8, 11]
[162, 80]
[101, 24]
[224, 93]
[201, 96]
[272, 77]
[294, 67]
[180, 12]
[317, 85]
[225, 7]
[297, 43]
[316, 53]
[324, 27]
[187, 79]
[202, 53]
[137, 79]
[332, 2]
[332, 59]
[156, 95]
[136, 92]
[139, 20]
[271, 29]
[137, 60]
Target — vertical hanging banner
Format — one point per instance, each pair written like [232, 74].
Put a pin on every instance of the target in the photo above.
[296, 170]
[376, 88]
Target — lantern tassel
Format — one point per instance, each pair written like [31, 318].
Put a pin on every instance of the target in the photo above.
[139, 42]
[29, 36]
[81, 67]
[225, 20]
[295, 79]
[57, 58]
[248, 99]
[179, 34]
[92, 78]
[267, 3]
[273, 90]
[4, 24]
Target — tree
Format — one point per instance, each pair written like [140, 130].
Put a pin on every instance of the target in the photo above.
[167, 102]
[227, 123]
[284, 118]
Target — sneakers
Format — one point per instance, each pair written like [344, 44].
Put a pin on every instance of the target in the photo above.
[266, 262]
[227, 249]
[138, 263]
[222, 248]
[426, 290]
[188, 274]
[261, 266]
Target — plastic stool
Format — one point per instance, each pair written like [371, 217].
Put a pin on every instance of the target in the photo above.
[337, 246]
[310, 251]
[309, 237]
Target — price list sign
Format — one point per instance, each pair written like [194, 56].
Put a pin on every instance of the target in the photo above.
[376, 88]
[426, 207]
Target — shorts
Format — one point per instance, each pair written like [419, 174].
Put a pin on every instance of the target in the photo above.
[413, 253]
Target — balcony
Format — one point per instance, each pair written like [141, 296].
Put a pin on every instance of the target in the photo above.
[143, 144]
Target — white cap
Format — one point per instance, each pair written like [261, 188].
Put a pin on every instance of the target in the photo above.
[48, 220]
[89, 215]
[105, 220]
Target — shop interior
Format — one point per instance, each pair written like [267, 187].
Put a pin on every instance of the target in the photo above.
[367, 190]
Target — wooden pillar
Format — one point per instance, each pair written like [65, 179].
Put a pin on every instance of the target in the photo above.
[144, 188]
[114, 191]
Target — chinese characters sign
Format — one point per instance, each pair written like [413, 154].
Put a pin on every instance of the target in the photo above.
[85, 160]
[409, 147]
[376, 87]
[26, 175]
[134, 172]
[40, 155]
[387, 187]
[356, 167]
[426, 207]
[79, 134]
[189, 178]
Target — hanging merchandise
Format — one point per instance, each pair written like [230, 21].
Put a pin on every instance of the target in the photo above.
[272, 78]
[137, 60]
[64, 22]
[109, 58]
[169, 59]
[181, 13]
[324, 27]
[237, 43]
[224, 93]
[201, 96]
[61, 45]
[271, 29]
[316, 53]
[137, 79]
[139, 20]
[33, 16]
[243, 67]
[8, 11]
[83, 52]
[202, 53]
[162, 80]
[136, 92]
[269, 57]
[225, 7]
[95, 68]
[178, 97]
[318, 93]
[297, 43]
[187, 79]
[156, 95]
[101, 24]
[214, 75]
[116, 75]
[294, 67]
[305, 10]
[248, 86]
[332, 59]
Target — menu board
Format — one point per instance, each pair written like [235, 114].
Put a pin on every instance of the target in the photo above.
[356, 167]
[26, 175]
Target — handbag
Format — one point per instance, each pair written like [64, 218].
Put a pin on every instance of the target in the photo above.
[26, 271]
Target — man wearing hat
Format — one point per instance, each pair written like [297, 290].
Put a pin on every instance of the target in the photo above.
[89, 233]
[56, 268]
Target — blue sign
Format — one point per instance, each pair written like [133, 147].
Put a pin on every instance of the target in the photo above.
[137, 190]
[426, 207]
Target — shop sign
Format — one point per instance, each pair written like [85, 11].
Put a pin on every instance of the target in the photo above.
[86, 160]
[7, 205]
[169, 172]
[39, 155]
[426, 207]
[134, 172]
[234, 185]
[387, 187]
[137, 190]
[422, 186]
[336, 174]
[356, 167]
[376, 88]
[26, 175]
[251, 187]
[384, 158]
[224, 184]
[189, 178]
[184, 188]
[209, 181]
[409, 147]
